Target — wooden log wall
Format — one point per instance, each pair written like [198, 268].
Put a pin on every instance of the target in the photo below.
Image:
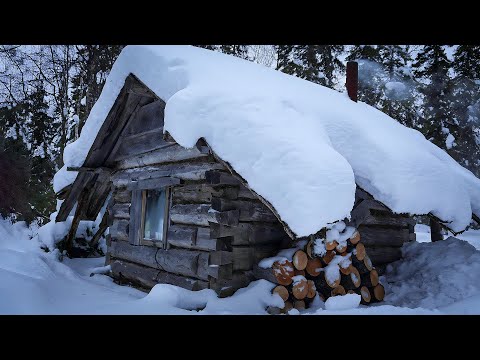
[383, 233]
[217, 230]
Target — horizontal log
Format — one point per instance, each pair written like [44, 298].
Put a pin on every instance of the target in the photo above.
[140, 143]
[244, 257]
[384, 255]
[192, 237]
[383, 237]
[391, 221]
[252, 234]
[156, 183]
[183, 262]
[208, 270]
[148, 277]
[245, 193]
[226, 287]
[201, 215]
[201, 193]
[119, 230]
[249, 210]
[173, 153]
[122, 196]
[184, 171]
[121, 211]
[214, 177]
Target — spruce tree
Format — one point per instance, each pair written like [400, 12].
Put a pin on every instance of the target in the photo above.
[432, 66]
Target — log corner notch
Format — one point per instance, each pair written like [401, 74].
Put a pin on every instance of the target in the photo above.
[352, 80]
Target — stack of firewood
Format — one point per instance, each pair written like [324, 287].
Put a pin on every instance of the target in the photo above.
[332, 265]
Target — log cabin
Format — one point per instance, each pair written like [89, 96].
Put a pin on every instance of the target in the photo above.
[189, 216]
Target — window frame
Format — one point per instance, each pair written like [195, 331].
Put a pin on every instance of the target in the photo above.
[166, 218]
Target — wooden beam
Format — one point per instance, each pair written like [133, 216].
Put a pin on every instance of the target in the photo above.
[201, 215]
[383, 237]
[435, 230]
[156, 183]
[101, 229]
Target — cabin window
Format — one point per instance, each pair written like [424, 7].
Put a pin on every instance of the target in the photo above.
[155, 214]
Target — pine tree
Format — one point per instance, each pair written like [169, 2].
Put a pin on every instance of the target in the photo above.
[466, 106]
[315, 63]
[432, 66]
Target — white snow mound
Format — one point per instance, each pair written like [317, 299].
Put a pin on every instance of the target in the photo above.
[300, 145]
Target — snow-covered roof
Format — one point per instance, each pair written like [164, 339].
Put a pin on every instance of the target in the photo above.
[301, 146]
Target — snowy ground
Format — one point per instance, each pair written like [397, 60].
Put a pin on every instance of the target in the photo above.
[434, 278]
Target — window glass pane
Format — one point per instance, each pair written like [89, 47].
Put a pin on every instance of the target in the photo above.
[154, 215]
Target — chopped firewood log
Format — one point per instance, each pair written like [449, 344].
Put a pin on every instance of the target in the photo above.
[331, 245]
[370, 279]
[360, 251]
[355, 238]
[363, 266]
[341, 248]
[273, 310]
[314, 266]
[322, 282]
[347, 270]
[283, 271]
[300, 289]
[309, 249]
[312, 290]
[299, 304]
[339, 290]
[368, 262]
[300, 259]
[282, 291]
[378, 292]
[351, 291]
[365, 294]
[328, 257]
[299, 272]
[288, 306]
[352, 280]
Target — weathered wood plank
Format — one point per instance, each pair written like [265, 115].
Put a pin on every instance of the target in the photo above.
[392, 221]
[149, 277]
[184, 171]
[81, 181]
[149, 117]
[226, 287]
[119, 230]
[383, 237]
[173, 153]
[250, 210]
[201, 215]
[156, 183]
[191, 237]
[135, 217]
[252, 234]
[121, 211]
[202, 193]
[244, 257]
[214, 177]
[183, 262]
[122, 196]
[145, 142]
[244, 193]
[384, 255]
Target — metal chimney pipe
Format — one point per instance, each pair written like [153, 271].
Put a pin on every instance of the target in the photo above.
[352, 80]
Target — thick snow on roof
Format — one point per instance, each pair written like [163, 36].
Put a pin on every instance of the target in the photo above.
[300, 145]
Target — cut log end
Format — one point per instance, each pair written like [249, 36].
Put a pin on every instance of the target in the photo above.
[331, 245]
[299, 272]
[378, 292]
[328, 257]
[360, 252]
[284, 272]
[339, 290]
[355, 238]
[368, 263]
[312, 290]
[347, 270]
[341, 249]
[288, 306]
[355, 277]
[300, 289]
[282, 291]
[314, 267]
[300, 259]
[299, 304]
[365, 294]
[309, 249]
